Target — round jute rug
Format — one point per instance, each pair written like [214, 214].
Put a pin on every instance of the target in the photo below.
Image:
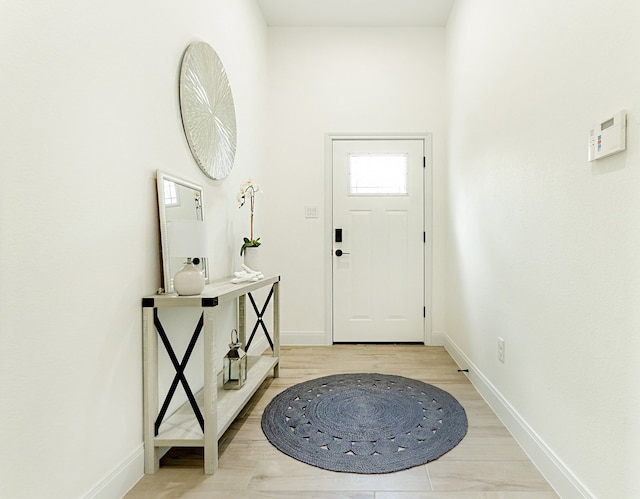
[364, 423]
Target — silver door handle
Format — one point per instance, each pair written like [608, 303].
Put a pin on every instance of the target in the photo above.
[339, 252]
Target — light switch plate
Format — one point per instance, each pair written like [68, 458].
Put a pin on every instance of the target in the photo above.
[310, 212]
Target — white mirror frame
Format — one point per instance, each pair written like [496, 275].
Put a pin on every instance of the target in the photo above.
[188, 192]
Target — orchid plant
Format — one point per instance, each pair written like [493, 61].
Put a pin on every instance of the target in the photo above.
[247, 193]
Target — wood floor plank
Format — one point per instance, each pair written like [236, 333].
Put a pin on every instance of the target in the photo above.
[289, 474]
[488, 475]
[465, 495]
[487, 464]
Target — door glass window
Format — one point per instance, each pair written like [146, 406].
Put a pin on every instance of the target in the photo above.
[378, 174]
[171, 197]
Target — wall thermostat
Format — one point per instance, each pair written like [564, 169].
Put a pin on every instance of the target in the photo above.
[608, 137]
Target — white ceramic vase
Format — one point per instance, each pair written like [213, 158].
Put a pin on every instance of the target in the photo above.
[189, 280]
[252, 257]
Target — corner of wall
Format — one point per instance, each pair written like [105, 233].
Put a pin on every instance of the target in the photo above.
[438, 339]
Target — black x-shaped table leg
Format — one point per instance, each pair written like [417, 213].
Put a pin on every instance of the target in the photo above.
[259, 321]
[179, 367]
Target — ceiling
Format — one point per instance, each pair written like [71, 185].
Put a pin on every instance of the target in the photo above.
[355, 13]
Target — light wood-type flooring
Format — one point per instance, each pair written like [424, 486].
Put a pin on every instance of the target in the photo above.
[487, 464]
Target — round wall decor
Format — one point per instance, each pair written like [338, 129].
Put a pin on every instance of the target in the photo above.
[208, 111]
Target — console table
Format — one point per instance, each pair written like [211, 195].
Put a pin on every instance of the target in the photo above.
[202, 420]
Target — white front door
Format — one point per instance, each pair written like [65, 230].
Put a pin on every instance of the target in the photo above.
[378, 240]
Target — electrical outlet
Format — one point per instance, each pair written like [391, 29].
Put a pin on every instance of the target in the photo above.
[501, 349]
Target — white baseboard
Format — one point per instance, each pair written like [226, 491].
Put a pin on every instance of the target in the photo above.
[128, 473]
[319, 338]
[131, 470]
[565, 483]
[303, 338]
[122, 479]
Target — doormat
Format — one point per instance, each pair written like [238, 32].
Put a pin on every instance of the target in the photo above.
[364, 423]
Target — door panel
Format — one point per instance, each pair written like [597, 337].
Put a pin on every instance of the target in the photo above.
[378, 281]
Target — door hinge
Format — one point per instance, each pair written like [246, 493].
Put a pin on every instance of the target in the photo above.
[424, 237]
[424, 161]
[424, 312]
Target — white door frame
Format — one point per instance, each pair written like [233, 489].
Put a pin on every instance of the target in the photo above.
[428, 223]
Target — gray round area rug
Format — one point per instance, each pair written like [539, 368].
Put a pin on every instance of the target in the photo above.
[364, 423]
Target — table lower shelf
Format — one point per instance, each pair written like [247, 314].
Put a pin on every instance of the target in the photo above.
[182, 429]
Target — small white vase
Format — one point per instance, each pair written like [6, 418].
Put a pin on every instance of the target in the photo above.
[252, 257]
[188, 280]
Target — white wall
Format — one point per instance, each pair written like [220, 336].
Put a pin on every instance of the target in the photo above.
[89, 99]
[543, 245]
[343, 80]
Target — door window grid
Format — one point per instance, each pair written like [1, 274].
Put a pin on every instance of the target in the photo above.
[171, 196]
[378, 174]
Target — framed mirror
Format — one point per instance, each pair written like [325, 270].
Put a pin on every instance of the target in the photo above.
[178, 200]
